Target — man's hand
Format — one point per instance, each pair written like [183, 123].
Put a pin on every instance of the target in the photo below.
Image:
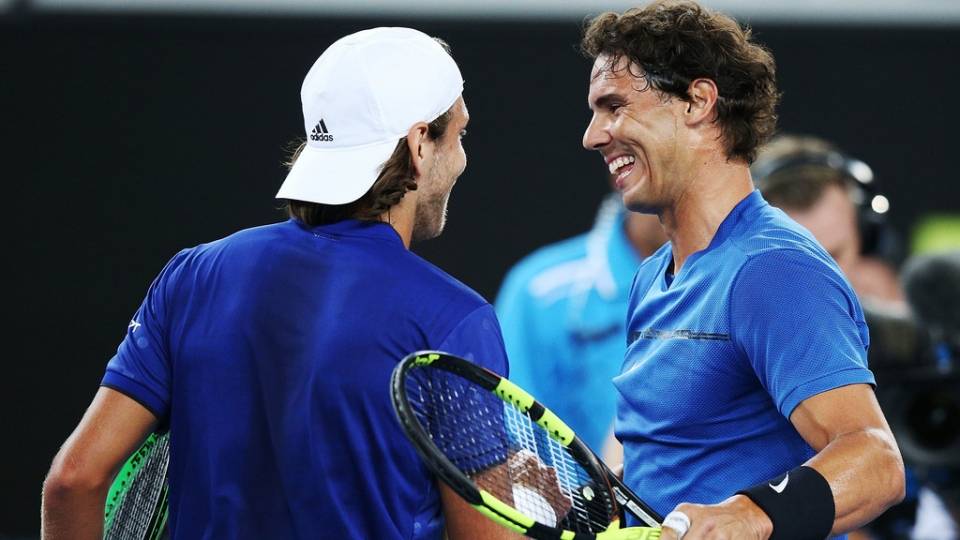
[735, 518]
[527, 471]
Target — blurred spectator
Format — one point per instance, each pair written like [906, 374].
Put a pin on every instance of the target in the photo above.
[832, 195]
[563, 312]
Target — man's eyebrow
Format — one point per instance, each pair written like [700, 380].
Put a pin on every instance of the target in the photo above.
[605, 100]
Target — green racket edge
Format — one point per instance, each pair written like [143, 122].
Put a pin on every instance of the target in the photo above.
[123, 481]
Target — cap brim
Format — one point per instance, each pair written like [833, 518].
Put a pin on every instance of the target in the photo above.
[335, 176]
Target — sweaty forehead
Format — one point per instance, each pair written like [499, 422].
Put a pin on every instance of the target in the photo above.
[603, 68]
[607, 80]
[459, 110]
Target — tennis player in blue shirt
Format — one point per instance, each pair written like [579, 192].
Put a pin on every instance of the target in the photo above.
[746, 409]
[267, 354]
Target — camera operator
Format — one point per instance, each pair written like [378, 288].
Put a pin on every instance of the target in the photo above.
[924, 410]
[834, 196]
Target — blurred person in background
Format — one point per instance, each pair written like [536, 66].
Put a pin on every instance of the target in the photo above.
[835, 197]
[563, 312]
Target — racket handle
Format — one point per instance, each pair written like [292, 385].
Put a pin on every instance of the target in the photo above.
[637, 508]
[631, 533]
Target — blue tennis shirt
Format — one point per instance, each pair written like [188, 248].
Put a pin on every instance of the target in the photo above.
[269, 353]
[718, 359]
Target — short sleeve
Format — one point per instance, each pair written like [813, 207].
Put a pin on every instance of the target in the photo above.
[141, 367]
[800, 325]
[478, 338]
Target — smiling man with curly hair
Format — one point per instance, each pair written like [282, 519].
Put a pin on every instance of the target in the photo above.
[745, 405]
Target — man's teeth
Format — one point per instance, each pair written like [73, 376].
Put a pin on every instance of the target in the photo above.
[620, 162]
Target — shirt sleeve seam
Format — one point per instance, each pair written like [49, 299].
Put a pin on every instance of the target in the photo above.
[131, 395]
[865, 378]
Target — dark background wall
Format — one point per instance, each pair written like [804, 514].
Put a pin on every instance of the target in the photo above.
[127, 139]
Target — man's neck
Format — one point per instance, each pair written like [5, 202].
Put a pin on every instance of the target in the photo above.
[401, 217]
[692, 221]
[644, 233]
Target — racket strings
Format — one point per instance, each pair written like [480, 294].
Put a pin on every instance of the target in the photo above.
[458, 420]
[505, 453]
[588, 507]
[137, 504]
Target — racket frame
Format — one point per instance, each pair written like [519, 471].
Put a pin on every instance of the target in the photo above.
[125, 480]
[507, 391]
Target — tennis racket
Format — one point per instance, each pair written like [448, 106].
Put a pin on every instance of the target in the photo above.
[508, 456]
[136, 507]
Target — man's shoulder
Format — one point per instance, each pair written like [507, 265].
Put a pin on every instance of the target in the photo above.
[776, 249]
[772, 233]
[249, 238]
[430, 282]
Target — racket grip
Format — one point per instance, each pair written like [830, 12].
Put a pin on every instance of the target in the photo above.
[631, 533]
[646, 514]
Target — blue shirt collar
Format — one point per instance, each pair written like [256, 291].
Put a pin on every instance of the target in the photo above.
[743, 210]
[355, 228]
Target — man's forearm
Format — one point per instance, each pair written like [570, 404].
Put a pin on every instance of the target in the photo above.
[72, 512]
[865, 473]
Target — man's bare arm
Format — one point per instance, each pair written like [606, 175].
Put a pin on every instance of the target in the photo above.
[465, 522]
[80, 476]
[856, 452]
[521, 468]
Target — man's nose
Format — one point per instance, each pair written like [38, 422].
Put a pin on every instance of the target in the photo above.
[596, 135]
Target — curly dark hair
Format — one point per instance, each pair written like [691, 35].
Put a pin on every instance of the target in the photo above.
[676, 42]
[393, 182]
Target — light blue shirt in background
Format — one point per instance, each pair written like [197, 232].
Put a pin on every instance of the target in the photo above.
[563, 313]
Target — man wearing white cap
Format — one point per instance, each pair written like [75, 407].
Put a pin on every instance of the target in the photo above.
[267, 354]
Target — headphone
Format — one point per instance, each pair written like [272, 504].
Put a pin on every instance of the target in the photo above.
[877, 237]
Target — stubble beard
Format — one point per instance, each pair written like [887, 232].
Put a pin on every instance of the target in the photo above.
[431, 215]
[642, 199]
[430, 219]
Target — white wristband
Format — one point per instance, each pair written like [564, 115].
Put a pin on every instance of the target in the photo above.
[677, 521]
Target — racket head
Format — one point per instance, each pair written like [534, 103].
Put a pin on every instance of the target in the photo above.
[137, 502]
[501, 450]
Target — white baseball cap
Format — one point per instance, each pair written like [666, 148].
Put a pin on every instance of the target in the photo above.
[360, 97]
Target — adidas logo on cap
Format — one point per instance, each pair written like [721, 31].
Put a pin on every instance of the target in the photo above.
[382, 102]
[320, 133]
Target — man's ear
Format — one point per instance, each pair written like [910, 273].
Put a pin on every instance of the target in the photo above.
[420, 146]
[702, 106]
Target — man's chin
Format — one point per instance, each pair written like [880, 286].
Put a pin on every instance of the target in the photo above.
[427, 231]
[422, 237]
[641, 206]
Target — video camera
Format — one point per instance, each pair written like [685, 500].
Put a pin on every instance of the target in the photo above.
[916, 359]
